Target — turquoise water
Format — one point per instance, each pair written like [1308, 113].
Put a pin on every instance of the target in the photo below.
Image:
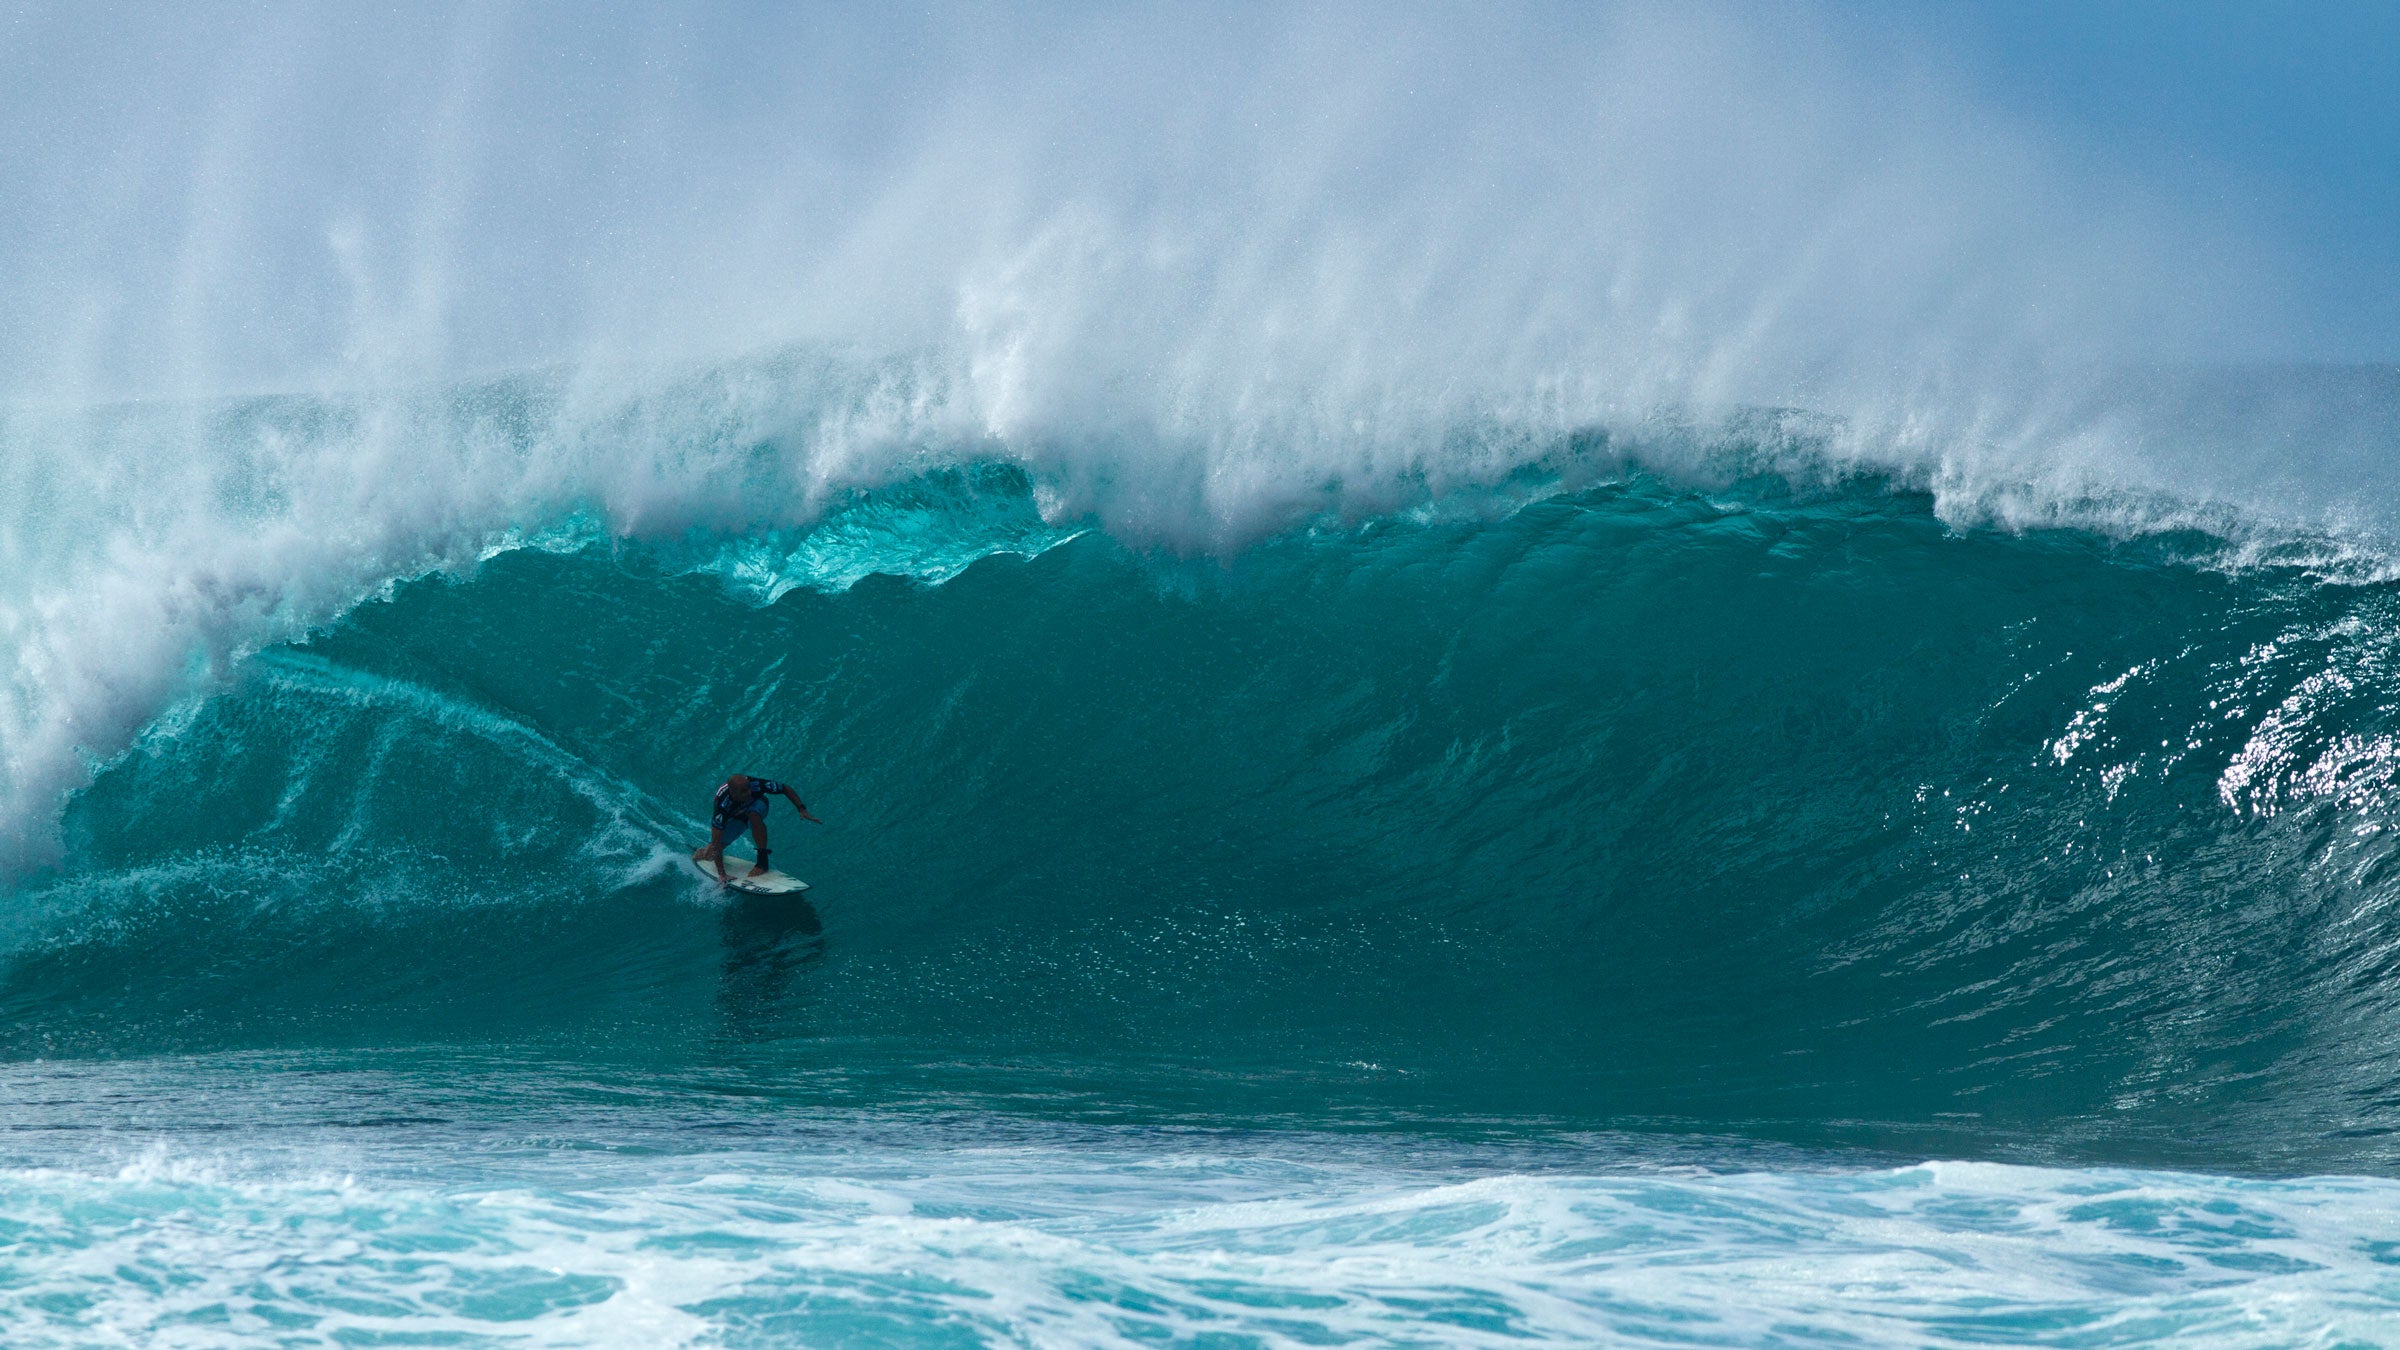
[470, 1200]
[1619, 906]
[1629, 674]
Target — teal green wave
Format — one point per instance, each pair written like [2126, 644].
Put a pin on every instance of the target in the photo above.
[1760, 810]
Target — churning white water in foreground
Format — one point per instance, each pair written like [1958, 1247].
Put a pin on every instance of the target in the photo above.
[365, 1217]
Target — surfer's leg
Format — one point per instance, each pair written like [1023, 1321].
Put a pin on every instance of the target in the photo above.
[758, 842]
[715, 849]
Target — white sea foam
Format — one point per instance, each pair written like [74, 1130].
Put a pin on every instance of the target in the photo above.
[1112, 1245]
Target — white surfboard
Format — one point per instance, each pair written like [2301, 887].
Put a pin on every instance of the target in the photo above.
[765, 883]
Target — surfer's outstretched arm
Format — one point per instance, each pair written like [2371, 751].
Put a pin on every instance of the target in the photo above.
[800, 806]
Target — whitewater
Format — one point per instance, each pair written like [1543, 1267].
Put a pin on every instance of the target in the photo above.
[1596, 677]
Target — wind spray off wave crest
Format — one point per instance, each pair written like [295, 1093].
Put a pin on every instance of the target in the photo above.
[1289, 231]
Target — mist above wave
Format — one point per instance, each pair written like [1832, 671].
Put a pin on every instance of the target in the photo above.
[1218, 216]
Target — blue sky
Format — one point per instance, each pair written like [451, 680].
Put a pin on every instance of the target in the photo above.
[2288, 111]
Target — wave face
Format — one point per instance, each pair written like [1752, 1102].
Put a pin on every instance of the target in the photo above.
[1749, 806]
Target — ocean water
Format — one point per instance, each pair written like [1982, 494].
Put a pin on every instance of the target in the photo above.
[465, 1200]
[1662, 896]
[1633, 675]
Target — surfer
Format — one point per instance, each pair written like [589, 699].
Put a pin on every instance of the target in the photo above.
[742, 802]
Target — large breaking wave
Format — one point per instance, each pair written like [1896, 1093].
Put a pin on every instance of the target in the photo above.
[1598, 793]
[1597, 564]
[1465, 669]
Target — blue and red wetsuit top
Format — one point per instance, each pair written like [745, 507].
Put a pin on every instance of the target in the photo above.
[733, 816]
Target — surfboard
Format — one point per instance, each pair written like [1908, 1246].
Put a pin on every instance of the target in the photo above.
[765, 883]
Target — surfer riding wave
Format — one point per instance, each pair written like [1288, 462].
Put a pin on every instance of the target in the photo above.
[741, 803]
